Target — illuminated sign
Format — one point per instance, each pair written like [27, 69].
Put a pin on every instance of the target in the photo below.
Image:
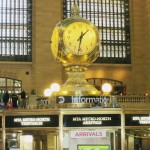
[137, 119]
[91, 120]
[93, 147]
[88, 134]
[82, 99]
[32, 121]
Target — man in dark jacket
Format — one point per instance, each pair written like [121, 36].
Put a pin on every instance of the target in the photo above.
[23, 98]
[6, 97]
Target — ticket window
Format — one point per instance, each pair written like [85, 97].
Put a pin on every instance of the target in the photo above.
[137, 130]
[137, 138]
[17, 141]
[91, 139]
[98, 129]
[12, 141]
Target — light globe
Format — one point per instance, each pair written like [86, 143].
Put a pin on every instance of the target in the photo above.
[106, 88]
[47, 92]
[55, 87]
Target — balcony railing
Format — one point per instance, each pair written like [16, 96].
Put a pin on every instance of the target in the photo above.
[135, 101]
[124, 101]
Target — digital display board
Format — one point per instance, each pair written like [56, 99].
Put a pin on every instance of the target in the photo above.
[137, 119]
[93, 147]
[91, 120]
[32, 121]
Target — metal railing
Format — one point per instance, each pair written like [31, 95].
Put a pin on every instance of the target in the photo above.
[133, 101]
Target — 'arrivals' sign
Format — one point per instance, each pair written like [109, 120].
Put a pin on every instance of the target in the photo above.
[88, 134]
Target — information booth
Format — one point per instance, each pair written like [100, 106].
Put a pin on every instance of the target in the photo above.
[75, 129]
[64, 129]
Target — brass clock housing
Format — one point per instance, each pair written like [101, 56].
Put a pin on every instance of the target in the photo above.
[75, 41]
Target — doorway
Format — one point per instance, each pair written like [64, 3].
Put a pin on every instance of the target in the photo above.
[32, 140]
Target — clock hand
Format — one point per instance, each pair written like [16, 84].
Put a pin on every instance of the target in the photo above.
[80, 38]
[85, 32]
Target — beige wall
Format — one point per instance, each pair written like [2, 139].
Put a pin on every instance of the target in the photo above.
[45, 70]
[141, 46]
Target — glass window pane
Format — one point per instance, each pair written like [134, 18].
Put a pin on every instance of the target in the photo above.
[10, 85]
[9, 82]
[2, 82]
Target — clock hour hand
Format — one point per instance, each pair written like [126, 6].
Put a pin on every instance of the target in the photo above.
[80, 38]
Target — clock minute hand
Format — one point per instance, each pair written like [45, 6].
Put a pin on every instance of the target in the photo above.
[80, 38]
[85, 32]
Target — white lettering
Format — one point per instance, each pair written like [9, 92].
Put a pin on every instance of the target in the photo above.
[31, 121]
[145, 122]
[80, 99]
[91, 122]
[142, 120]
[17, 120]
[76, 119]
[96, 118]
[135, 118]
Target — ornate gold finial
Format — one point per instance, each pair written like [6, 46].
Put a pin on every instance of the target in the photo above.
[75, 10]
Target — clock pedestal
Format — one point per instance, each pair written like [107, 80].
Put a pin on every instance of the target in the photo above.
[76, 84]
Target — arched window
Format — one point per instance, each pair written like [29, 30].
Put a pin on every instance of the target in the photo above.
[112, 19]
[10, 85]
[118, 88]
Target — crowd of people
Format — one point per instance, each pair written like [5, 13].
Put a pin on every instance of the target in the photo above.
[12, 100]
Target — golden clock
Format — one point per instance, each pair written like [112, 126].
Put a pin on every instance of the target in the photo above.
[75, 40]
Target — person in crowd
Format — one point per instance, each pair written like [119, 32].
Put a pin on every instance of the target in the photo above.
[6, 97]
[33, 92]
[14, 100]
[1, 95]
[23, 99]
[137, 143]
[2, 104]
[6, 145]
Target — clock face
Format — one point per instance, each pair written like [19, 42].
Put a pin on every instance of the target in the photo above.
[80, 38]
[54, 41]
